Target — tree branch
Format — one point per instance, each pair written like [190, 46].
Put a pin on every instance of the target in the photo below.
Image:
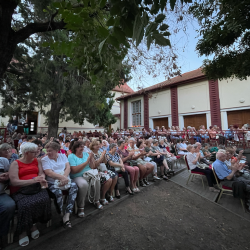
[33, 28]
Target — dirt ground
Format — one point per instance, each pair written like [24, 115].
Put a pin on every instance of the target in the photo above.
[163, 216]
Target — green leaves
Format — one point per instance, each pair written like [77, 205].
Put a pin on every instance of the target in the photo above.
[163, 27]
[172, 4]
[161, 40]
[150, 28]
[159, 18]
[138, 30]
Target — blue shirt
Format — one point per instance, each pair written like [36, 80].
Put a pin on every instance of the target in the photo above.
[221, 169]
[75, 161]
[228, 133]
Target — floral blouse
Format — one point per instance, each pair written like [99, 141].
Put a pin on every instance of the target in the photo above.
[114, 158]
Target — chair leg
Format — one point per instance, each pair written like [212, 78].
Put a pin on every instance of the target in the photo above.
[221, 192]
[188, 178]
[202, 182]
[192, 177]
[242, 203]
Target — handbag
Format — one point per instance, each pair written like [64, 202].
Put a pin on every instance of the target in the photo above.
[91, 176]
[202, 166]
[65, 187]
[132, 163]
[31, 189]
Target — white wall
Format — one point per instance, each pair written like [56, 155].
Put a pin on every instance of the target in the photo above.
[122, 114]
[160, 104]
[234, 93]
[193, 98]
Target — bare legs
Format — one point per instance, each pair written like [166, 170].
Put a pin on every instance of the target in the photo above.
[105, 187]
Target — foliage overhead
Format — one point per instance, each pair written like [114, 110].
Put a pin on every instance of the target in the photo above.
[225, 35]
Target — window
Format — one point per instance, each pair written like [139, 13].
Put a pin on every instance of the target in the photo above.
[136, 113]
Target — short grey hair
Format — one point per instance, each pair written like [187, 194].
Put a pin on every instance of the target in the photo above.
[112, 145]
[189, 147]
[195, 146]
[5, 146]
[29, 146]
[131, 139]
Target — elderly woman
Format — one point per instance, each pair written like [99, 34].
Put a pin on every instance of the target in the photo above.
[33, 202]
[6, 152]
[193, 158]
[132, 170]
[145, 146]
[40, 152]
[156, 156]
[57, 169]
[145, 167]
[81, 162]
[114, 161]
[86, 143]
[169, 156]
[108, 179]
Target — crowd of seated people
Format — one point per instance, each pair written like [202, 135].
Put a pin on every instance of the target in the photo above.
[38, 169]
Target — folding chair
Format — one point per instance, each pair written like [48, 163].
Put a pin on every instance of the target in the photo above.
[224, 189]
[179, 157]
[193, 173]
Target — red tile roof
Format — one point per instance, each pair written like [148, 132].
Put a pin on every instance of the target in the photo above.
[124, 88]
[182, 79]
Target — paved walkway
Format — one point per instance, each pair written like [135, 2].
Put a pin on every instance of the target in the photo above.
[227, 201]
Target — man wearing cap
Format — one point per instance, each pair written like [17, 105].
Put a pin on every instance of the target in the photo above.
[7, 205]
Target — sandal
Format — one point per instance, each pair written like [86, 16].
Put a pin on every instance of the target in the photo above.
[24, 241]
[164, 177]
[35, 235]
[104, 201]
[81, 213]
[67, 224]
[98, 206]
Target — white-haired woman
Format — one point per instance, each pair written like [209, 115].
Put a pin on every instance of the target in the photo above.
[56, 167]
[28, 191]
[193, 158]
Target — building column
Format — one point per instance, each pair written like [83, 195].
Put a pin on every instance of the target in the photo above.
[151, 123]
[214, 103]
[174, 106]
[224, 120]
[125, 113]
[181, 122]
[170, 121]
[208, 118]
[146, 112]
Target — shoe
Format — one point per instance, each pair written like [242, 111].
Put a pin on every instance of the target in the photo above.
[145, 181]
[142, 184]
[156, 177]
[111, 198]
[98, 205]
[170, 171]
[134, 190]
[104, 202]
[138, 190]
[81, 213]
[130, 193]
[118, 196]
[35, 235]
[164, 177]
[24, 241]
[67, 224]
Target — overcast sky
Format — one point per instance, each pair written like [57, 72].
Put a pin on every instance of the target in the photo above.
[188, 56]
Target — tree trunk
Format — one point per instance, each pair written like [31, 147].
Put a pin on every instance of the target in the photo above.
[7, 34]
[53, 119]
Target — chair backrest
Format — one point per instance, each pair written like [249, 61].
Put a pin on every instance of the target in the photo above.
[215, 176]
[176, 152]
[185, 157]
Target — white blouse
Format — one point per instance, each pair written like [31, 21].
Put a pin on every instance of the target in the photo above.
[56, 166]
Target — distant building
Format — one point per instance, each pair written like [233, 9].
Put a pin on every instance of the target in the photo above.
[188, 100]
[37, 120]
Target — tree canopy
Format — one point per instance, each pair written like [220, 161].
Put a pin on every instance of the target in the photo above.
[225, 35]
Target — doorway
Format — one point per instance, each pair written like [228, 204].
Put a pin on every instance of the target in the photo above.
[195, 121]
[161, 122]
